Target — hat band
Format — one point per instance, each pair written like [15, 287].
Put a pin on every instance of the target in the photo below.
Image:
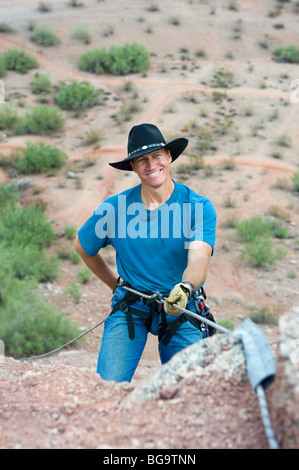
[145, 147]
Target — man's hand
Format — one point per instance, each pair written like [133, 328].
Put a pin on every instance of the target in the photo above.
[179, 295]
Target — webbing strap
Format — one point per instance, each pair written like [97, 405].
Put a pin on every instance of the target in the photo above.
[125, 306]
[170, 328]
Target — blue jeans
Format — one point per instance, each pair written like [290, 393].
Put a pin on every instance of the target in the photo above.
[119, 355]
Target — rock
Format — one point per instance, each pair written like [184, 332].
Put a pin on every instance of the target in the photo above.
[285, 399]
[71, 175]
[21, 183]
[220, 354]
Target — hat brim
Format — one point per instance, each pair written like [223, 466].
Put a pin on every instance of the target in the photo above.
[176, 147]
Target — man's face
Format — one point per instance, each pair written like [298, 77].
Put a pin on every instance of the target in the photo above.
[153, 168]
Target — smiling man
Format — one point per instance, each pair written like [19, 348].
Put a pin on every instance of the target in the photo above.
[164, 235]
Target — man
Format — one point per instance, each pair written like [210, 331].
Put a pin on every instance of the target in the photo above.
[163, 234]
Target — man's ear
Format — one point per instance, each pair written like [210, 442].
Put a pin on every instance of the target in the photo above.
[132, 164]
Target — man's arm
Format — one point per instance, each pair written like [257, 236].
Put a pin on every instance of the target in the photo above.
[97, 265]
[194, 275]
[198, 263]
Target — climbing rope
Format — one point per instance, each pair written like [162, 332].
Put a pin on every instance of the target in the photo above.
[273, 444]
[64, 345]
[266, 418]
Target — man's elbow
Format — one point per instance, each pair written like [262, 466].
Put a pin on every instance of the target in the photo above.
[78, 246]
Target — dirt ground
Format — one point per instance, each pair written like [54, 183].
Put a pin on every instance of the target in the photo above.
[246, 173]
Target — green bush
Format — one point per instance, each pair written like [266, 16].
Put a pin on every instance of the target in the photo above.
[2, 66]
[8, 116]
[44, 36]
[28, 323]
[39, 157]
[25, 226]
[119, 60]
[93, 61]
[288, 53]
[41, 83]
[40, 119]
[83, 34]
[8, 195]
[250, 229]
[263, 316]
[70, 231]
[84, 274]
[258, 247]
[29, 262]
[256, 226]
[77, 96]
[129, 58]
[19, 60]
[295, 181]
[260, 251]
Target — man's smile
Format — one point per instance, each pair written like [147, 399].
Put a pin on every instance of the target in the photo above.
[155, 173]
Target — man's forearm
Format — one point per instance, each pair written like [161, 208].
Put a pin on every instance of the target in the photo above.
[198, 264]
[97, 265]
[196, 272]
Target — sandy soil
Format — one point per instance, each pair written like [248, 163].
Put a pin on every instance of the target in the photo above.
[175, 93]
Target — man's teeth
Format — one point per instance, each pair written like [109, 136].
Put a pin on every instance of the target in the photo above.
[154, 174]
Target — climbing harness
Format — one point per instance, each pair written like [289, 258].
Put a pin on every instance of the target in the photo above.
[259, 356]
[156, 301]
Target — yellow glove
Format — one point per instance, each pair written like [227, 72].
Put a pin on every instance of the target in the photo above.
[179, 295]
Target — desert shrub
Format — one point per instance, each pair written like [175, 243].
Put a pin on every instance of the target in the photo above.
[38, 157]
[175, 20]
[74, 257]
[226, 323]
[2, 66]
[83, 34]
[40, 119]
[84, 274]
[204, 139]
[119, 60]
[255, 227]
[263, 316]
[222, 79]
[77, 96]
[250, 229]
[44, 7]
[8, 116]
[93, 61]
[41, 83]
[30, 325]
[25, 226]
[29, 262]
[44, 36]
[8, 195]
[6, 28]
[260, 251]
[129, 58]
[73, 289]
[295, 180]
[19, 60]
[258, 247]
[288, 53]
[70, 231]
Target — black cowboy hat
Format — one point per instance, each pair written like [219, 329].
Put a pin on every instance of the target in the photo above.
[146, 138]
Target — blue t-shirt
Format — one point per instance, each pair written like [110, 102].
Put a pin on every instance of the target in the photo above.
[151, 245]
